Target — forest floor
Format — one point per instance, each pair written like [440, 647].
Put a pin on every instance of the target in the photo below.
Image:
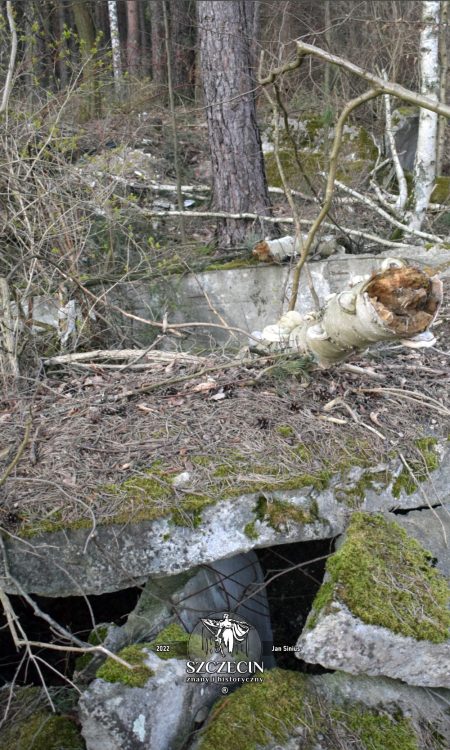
[101, 441]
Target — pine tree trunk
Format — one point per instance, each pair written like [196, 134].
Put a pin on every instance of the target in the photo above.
[239, 182]
[425, 161]
[133, 37]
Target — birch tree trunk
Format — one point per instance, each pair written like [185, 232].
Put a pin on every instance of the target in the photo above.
[397, 303]
[115, 43]
[239, 182]
[443, 54]
[425, 161]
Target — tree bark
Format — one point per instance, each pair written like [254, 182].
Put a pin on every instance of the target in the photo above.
[443, 54]
[239, 182]
[183, 46]
[8, 361]
[87, 36]
[425, 161]
[115, 43]
[133, 37]
[397, 303]
[159, 62]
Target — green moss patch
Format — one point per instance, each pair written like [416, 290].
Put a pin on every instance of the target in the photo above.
[286, 705]
[112, 671]
[376, 731]
[175, 638]
[386, 578]
[280, 514]
[420, 468]
[257, 714]
[250, 531]
[43, 731]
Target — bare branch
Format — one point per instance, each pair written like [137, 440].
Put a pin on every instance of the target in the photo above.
[383, 87]
[12, 58]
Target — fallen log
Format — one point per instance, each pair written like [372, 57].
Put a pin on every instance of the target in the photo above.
[400, 302]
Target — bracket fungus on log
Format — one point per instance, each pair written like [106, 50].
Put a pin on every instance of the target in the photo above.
[400, 302]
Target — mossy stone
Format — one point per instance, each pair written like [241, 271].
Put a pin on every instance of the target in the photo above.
[386, 578]
[175, 638]
[419, 469]
[113, 671]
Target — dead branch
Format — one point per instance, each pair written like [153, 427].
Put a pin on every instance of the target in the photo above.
[118, 354]
[346, 112]
[385, 215]
[19, 453]
[9, 367]
[383, 87]
[12, 57]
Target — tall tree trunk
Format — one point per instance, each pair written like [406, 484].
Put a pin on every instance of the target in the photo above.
[86, 33]
[159, 62]
[182, 33]
[239, 182]
[63, 72]
[133, 37]
[115, 43]
[145, 50]
[425, 162]
[443, 54]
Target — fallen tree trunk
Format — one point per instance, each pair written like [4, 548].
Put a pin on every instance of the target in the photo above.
[398, 303]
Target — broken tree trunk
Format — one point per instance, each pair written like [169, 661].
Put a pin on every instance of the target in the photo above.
[398, 303]
[8, 361]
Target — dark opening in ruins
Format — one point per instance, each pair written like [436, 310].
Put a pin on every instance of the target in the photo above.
[73, 614]
[294, 574]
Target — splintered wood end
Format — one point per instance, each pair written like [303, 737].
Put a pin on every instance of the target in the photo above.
[262, 252]
[406, 299]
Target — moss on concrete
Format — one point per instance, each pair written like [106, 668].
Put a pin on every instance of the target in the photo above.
[112, 671]
[322, 603]
[386, 578]
[257, 714]
[43, 731]
[250, 531]
[376, 731]
[287, 706]
[280, 514]
[230, 265]
[354, 495]
[420, 468]
[175, 638]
